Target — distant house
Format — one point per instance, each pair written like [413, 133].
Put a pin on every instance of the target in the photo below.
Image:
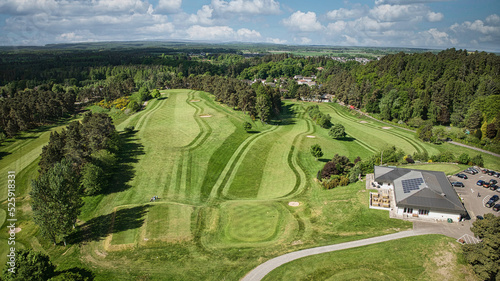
[420, 194]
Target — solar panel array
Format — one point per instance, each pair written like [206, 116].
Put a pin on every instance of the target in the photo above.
[411, 184]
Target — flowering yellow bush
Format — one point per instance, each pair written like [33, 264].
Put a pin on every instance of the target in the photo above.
[119, 103]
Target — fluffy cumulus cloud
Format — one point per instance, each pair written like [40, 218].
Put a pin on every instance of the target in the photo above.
[49, 21]
[388, 22]
[343, 14]
[303, 22]
[485, 32]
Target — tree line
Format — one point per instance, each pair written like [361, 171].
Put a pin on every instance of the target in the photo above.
[76, 162]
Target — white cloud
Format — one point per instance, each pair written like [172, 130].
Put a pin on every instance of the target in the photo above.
[303, 21]
[261, 7]
[403, 13]
[433, 37]
[223, 33]
[406, 2]
[203, 16]
[433, 17]
[169, 6]
[167, 27]
[342, 14]
[245, 33]
[276, 40]
[493, 19]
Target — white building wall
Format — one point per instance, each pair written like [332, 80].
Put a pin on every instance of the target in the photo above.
[433, 215]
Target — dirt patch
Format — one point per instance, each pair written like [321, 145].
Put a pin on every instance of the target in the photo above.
[194, 100]
[205, 116]
[312, 137]
[364, 122]
[100, 254]
[386, 128]
[294, 204]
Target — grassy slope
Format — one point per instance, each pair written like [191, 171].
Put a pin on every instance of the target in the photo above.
[195, 164]
[435, 258]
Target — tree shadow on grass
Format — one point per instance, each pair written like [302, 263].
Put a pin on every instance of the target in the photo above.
[346, 139]
[124, 170]
[99, 227]
[3, 154]
[79, 271]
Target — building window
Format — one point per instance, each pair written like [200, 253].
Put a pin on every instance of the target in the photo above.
[408, 210]
[423, 212]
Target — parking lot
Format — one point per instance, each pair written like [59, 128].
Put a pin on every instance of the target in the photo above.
[469, 194]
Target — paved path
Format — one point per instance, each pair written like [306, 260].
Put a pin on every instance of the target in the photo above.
[262, 270]
[475, 148]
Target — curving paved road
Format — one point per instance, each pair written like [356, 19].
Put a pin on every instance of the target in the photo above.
[262, 270]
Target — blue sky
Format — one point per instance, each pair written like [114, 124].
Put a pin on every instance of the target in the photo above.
[472, 25]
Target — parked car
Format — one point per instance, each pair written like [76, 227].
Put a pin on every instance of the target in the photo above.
[471, 170]
[497, 174]
[491, 173]
[492, 201]
[480, 182]
[492, 181]
[493, 187]
[496, 207]
[462, 176]
[479, 217]
[457, 184]
[484, 171]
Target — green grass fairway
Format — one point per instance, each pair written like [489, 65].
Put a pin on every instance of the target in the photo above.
[224, 194]
[435, 258]
[448, 169]
[168, 223]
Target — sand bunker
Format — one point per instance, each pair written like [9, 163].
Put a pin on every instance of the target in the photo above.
[386, 128]
[364, 122]
[205, 116]
[312, 137]
[294, 204]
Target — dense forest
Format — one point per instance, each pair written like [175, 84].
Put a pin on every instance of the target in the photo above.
[453, 87]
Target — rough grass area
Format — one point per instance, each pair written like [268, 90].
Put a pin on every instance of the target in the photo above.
[428, 257]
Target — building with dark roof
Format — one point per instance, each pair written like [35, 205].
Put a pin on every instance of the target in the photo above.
[420, 193]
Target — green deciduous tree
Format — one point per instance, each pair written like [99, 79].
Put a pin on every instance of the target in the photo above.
[56, 200]
[464, 158]
[485, 255]
[93, 179]
[337, 131]
[477, 160]
[156, 94]
[30, 265]
[247, 126]
[316, 151]
[425, 132]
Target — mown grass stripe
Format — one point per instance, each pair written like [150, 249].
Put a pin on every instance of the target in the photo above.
[394, 131]
[233, 163]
